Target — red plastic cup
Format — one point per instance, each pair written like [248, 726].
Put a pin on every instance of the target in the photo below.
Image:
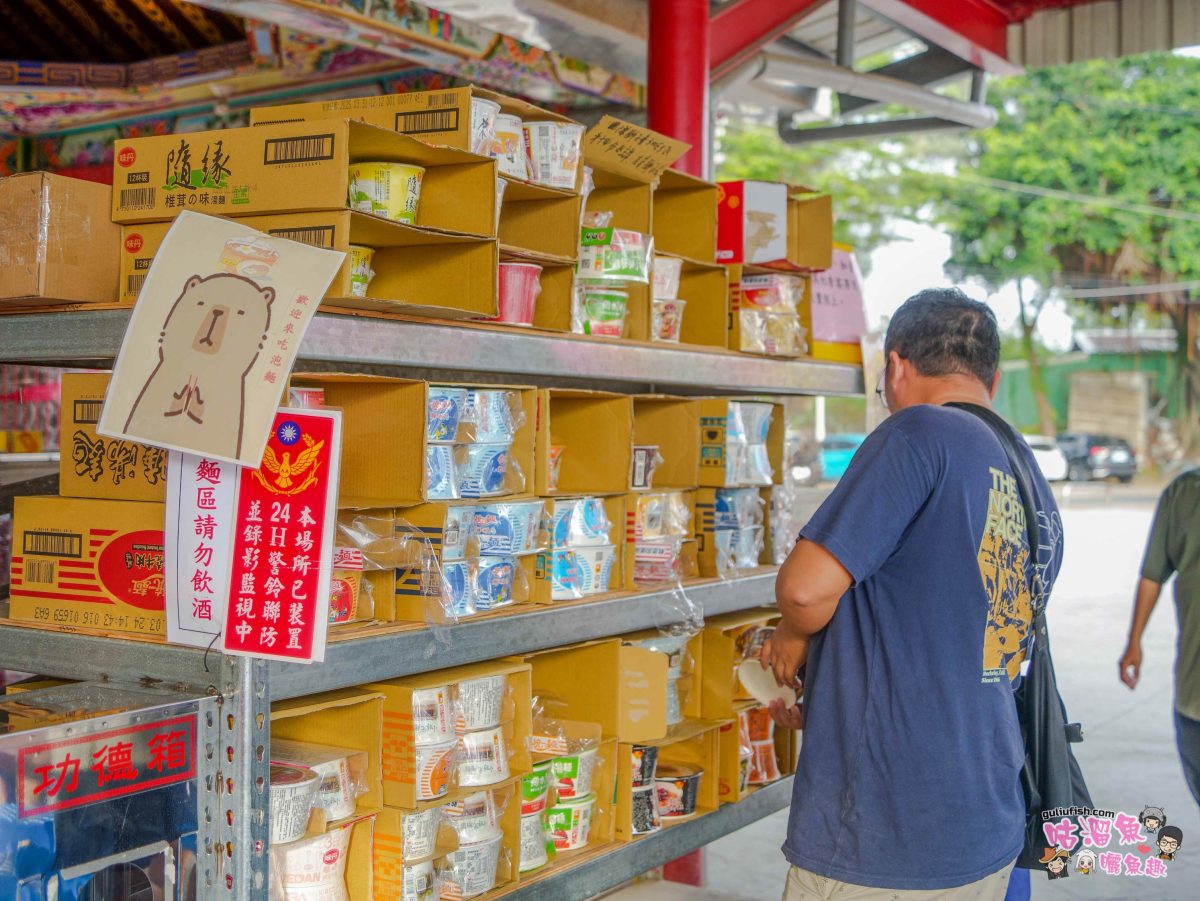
[519, 289]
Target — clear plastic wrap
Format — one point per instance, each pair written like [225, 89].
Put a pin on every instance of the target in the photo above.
[646, 459]
[516, 528]
[666, 277]
[579, 522]
[446, 411]
[472, 869]
[497, 581]
[479, 702]
[486, 470]
[599, 308]
[493, 415]
[775, 292]
[342, 779]
[772, 334]
[483, 757]
[441, 472]
[312, 863]
[615, 254]
[666, 320]
[663, 514]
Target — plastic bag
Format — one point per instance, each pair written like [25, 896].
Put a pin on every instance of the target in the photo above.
[516, 528]
[486, 470]
[615, 254]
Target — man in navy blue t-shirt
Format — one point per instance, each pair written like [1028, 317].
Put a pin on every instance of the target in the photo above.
[908, 599]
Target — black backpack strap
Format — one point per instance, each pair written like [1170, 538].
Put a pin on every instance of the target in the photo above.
[1016, 462]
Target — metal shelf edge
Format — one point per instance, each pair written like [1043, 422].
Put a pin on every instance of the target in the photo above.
[607, 871]
[435, 347]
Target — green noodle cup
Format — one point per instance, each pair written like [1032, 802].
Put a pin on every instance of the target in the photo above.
[535, 788]
[603, 311]
[573, 773]
[570, 822]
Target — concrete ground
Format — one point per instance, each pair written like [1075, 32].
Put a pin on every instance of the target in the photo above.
[1128, 755]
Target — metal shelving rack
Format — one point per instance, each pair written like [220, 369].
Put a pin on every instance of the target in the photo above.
[236, 863]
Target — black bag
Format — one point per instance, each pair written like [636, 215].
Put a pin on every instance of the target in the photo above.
[1051, 777]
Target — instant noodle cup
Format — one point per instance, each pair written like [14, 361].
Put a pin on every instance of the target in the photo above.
[472, 868]
[483, 126]
[566, 574]
[390, 190]
[674, 707]
[533, 843]
[458, 596]
[433, 722]
[494, 577]
[475, 817]
[752, 465]
[764, 765]
[519, 290]
[483, 470]
[556, 452]
[596, 566]
[511, 158]
[361, 272]
[553, 153]
[657, 561]
[313, 861]
[513, 528]
[755, 419]
[580, 522]
[748, 547]
[441, 472]
[573, 773]
[603, 310]
[483, 758]
[435, 765]
[535, 788]
[336, 793]
[417, 882]
[293, 796]
[645, 810]
[570, 821]
[419, 833]
[480, 702]
[644, 760]
[496, 414]
[666, 277]
[666, 320]
[445, 408]
[678, 790]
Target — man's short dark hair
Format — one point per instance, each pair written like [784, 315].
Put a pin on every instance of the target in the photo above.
[941, 331]
[1171, 832]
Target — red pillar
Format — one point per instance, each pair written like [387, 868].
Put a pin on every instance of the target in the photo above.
[686, 870]
[677, 76]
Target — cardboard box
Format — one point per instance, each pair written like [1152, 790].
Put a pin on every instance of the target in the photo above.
[714, 418]
[418, 599]
[640, 509]
[752, 222]
[387, 860]
[57, 241]
[705, 287]
[399, 776]
[748, 341]
[88, 564]
[293, 168]
[810, 228]
[595, 429]
[621, 688]
[685, 216]
[543, 577]
[552, 311]
[722, 693]
[691, 663]
[693, 743]
[708, 554]
[673, 425]
[384, 437]
[98, 467]
[540, 219]
[417, 271]
[349, 718]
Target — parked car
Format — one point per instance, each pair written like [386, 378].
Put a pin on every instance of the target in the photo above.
[836, 453]
[1091, 456]
[1049, 456]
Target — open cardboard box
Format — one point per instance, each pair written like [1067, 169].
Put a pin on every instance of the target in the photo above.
[693, 743]
[620, 688]
[417, 271]
[543, 582]
[721, 692]
[706, 532]
[714, 420]
[673, 425]
[685, 216]
[705, 287]
[385, 437]
[552, 310]
[730, 784]
[292, 168]
[539, 219]
[359, 875]
[739, 338]
[99, 467]
[58, 241]
[810, 230]
[635, 506]
[690, 686]
[399, 776]
[595, 428]
[350, 718]
[417, 597]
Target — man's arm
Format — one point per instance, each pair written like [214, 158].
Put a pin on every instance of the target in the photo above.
[807, 590]
[1130, 666]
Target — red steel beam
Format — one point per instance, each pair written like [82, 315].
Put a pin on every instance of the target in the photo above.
[974, 30]
[741, 29]
[677, 77]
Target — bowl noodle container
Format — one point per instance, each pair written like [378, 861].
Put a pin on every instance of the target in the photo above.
[678, 790]
[483, 126]
[483, 758]
[519, 289]
[573, 773]
[435, 766]
[553, 153]
[419, 832]
[511, 158]
[293, 796]
[472, 868]
[417, 882]
[646, 818]
[479, 703]
[432, 712]
[314, 861]
[390, 190]
[570, 822]
[533, 843]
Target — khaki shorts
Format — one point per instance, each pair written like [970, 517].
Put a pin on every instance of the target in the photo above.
[805, 886]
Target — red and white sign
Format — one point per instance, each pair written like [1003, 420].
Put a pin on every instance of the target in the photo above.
[96, 767]
[282, 559]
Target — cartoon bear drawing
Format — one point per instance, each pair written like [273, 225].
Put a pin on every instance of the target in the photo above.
[212, 337]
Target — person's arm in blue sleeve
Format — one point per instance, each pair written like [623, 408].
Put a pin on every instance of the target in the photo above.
[850, 537]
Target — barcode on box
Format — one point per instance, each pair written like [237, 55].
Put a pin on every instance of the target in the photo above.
[54, 544]
[427, 123]
[437, 101]
[39, 571]
[309, 149]
[138, 198]
[87, 412]
[314, 235]
[133, 283]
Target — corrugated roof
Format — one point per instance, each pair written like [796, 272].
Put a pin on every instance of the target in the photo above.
[1102, 30]
[1124, 341]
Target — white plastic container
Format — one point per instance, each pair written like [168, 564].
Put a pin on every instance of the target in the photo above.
[435, 763]
[313, 861]
[417, 882]
[293, 796]
[533, 843]
[479, 703]
[573, 773]
[473, 867]
[419, 833]
[553, 149]
[511, 157]
[483, 757]
[433, 721]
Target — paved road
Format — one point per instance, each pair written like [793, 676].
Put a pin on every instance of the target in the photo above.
[1129, 754]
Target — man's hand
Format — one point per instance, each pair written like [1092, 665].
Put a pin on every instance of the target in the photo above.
[784, 652]
[786, 717]
[1131, 664]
